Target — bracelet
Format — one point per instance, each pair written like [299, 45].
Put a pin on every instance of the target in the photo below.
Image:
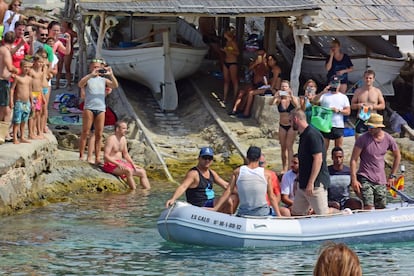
[392, 176]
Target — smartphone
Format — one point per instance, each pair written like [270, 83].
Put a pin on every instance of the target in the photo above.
[26, 34]
[102, 71]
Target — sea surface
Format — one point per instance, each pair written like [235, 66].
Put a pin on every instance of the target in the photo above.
[107, 234]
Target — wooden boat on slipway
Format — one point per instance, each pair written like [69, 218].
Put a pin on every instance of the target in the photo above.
[366, 52]
[154, 51]
[185, 223]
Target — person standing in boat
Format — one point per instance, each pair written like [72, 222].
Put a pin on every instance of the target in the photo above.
[338, 65]
[313, 172]
[198, 185]
[95, 84]
[369, 181]
[253, 183]
[366, 100]
[338, 192]
[119, 162]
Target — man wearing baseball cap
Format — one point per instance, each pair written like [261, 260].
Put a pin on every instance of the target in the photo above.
[370, 182]
[198, 185]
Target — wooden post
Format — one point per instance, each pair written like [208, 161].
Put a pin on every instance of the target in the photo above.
[297, 60]
[101, 35]
[239, 37]
[270, 35]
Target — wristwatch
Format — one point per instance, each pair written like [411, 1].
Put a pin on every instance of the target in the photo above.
[392, 176]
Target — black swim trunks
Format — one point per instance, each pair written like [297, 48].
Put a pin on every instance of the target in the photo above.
[4, 93]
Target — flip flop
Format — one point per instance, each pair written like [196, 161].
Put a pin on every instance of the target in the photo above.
[58, 127]
[65, 127]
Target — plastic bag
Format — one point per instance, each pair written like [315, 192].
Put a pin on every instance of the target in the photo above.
[322, 118]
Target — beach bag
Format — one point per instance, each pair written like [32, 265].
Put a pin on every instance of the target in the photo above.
[322, 118]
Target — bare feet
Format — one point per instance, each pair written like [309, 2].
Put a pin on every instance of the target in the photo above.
[24, 140]
[90, 160]
[46, 130]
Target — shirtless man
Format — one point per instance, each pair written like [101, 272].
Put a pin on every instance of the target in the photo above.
[6, 69]
[21, 100]
[367, 99]
[119, 162]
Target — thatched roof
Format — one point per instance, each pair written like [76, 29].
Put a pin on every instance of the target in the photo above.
[202, 7]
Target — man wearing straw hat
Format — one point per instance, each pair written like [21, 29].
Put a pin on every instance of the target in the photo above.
[370, 181]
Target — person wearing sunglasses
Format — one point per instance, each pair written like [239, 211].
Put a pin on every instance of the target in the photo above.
[198, 185]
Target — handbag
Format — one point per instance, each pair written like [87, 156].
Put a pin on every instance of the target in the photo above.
[322, 118]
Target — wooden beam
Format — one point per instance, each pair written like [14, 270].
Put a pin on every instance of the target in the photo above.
[297, 60]
[240, 21]
[270, 35]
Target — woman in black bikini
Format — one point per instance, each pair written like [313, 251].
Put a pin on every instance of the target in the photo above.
[285, 102]
[230, 68]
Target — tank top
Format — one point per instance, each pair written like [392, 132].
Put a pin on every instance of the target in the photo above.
[252, 190]
[203, 192]
[95, 94]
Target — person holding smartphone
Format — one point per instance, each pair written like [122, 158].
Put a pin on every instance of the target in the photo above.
[94, 85]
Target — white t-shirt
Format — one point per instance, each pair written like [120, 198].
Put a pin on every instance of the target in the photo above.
[10, 27]
[339, 101]
[287, 185]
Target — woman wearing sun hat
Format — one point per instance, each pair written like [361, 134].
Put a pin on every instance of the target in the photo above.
[370, 181]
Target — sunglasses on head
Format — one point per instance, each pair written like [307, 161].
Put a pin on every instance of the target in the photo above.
[206, 157]
[97, 60]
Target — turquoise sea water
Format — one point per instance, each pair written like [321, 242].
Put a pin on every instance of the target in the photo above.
[117, 235]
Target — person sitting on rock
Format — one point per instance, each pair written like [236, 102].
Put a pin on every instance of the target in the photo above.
[119, 162]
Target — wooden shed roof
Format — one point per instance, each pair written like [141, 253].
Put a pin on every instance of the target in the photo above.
[338, 17]
[239, 8]
[365, 17]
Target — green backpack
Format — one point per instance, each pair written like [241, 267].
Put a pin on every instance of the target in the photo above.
[322, 118]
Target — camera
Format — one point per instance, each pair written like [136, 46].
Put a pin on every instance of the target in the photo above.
[102, 71]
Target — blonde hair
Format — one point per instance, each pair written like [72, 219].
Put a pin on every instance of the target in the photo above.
[337, 259]
[310, 81]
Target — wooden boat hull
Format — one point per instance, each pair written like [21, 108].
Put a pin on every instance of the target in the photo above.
[386, 71]
[373, 53]
[174, 51]
[147, 66]
[189, 224]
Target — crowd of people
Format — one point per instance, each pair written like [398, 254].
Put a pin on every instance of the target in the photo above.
[308, 185]
[28, 62]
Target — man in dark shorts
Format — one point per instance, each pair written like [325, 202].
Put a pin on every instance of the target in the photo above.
[366, 100]
[6, 70]
[333, 99]
[198, 185]
[370, 182]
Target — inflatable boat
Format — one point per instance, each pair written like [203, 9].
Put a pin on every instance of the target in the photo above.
[185, 223]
